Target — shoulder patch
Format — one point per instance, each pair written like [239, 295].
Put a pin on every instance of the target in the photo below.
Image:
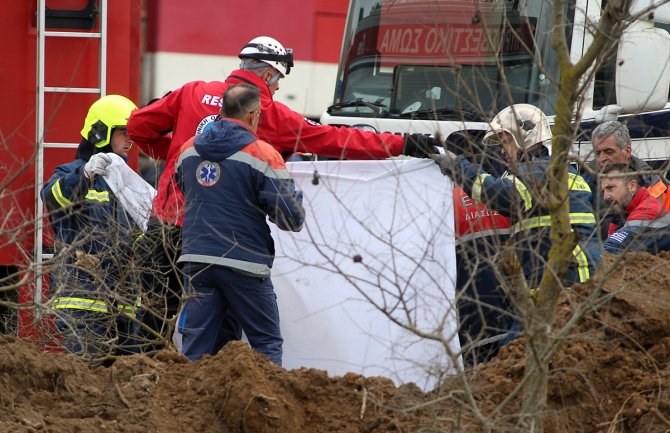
[205, 123]
[619, 236]
[577, 183]
[208, 173]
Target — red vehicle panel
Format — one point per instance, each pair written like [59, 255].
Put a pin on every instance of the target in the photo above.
[69, 62]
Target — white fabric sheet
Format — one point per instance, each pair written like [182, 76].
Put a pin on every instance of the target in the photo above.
[378, 235]
[133, 192]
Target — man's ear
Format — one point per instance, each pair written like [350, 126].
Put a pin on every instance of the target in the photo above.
[628, 150]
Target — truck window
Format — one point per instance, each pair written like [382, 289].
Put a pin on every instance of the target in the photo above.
[412, 55]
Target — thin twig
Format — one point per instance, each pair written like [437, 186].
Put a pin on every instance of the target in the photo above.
[364, 402]
[615, 421]
[660, 416]
[123, 399]
[118, 388]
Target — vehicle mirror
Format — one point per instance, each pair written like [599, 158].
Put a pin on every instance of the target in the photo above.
[643, 68]
[608, 113]
[659, 8]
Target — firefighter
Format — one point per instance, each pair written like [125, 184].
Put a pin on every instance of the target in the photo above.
[232, 182]
[94, 293]
[524, 134]
[484, 310]
[160, 128]
[646, 226]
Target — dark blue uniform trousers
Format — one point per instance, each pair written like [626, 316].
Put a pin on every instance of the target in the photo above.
[216, 292]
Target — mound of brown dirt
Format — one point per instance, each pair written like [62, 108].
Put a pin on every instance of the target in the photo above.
[612, 372]
[611, 375]
[234, 391]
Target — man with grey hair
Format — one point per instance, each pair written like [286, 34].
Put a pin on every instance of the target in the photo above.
[612, 145]
[232, 183]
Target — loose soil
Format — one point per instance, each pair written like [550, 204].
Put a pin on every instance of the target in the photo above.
[611, 375]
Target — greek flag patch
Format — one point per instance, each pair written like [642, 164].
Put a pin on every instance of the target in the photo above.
[619, 236]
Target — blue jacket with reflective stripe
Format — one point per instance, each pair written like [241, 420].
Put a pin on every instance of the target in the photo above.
[651, 236]
[86, 213]
[515, 196]
[86, 216]
[231, 182]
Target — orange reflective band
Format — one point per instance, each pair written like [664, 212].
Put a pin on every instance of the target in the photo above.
[657, 189]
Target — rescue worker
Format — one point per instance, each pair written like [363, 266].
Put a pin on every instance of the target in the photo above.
[524, 134]
[646, 225]
[232, 181]
[484, 310]
[94, 292]
[160, 128]
[612, 145]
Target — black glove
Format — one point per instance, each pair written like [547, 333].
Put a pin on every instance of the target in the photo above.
[419, 145]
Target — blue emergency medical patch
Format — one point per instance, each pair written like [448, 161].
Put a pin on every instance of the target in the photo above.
[208, 173]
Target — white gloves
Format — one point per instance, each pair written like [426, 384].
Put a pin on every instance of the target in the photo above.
[97, 165]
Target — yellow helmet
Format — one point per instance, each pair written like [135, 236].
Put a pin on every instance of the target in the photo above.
[104, 115]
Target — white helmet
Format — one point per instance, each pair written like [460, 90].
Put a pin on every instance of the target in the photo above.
[270, 51]
[526, 123]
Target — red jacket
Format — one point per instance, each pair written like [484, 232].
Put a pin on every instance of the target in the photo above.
[187, 111]
[474, 220]
[643, 207]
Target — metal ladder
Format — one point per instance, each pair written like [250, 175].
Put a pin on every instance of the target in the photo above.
[42, 90]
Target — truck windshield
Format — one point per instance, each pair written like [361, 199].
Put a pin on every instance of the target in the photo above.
[409, 57]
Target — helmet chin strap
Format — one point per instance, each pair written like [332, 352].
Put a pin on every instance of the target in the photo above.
[274, 78]
[249, 64]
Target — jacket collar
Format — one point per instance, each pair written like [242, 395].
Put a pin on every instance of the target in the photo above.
[244, 76]
[639, 198]
[239, 122]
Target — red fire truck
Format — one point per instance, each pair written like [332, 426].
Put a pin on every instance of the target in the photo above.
[58, 57]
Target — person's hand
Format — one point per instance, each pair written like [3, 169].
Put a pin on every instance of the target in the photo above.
[97, 165]
[86, 261]
[420, 145]
[447, 162]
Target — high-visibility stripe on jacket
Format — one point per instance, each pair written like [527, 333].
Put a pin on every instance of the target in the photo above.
[86, 218]
[94, 305]
[647, 227]
[231, 182]
[513, 195]
[86, 212]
